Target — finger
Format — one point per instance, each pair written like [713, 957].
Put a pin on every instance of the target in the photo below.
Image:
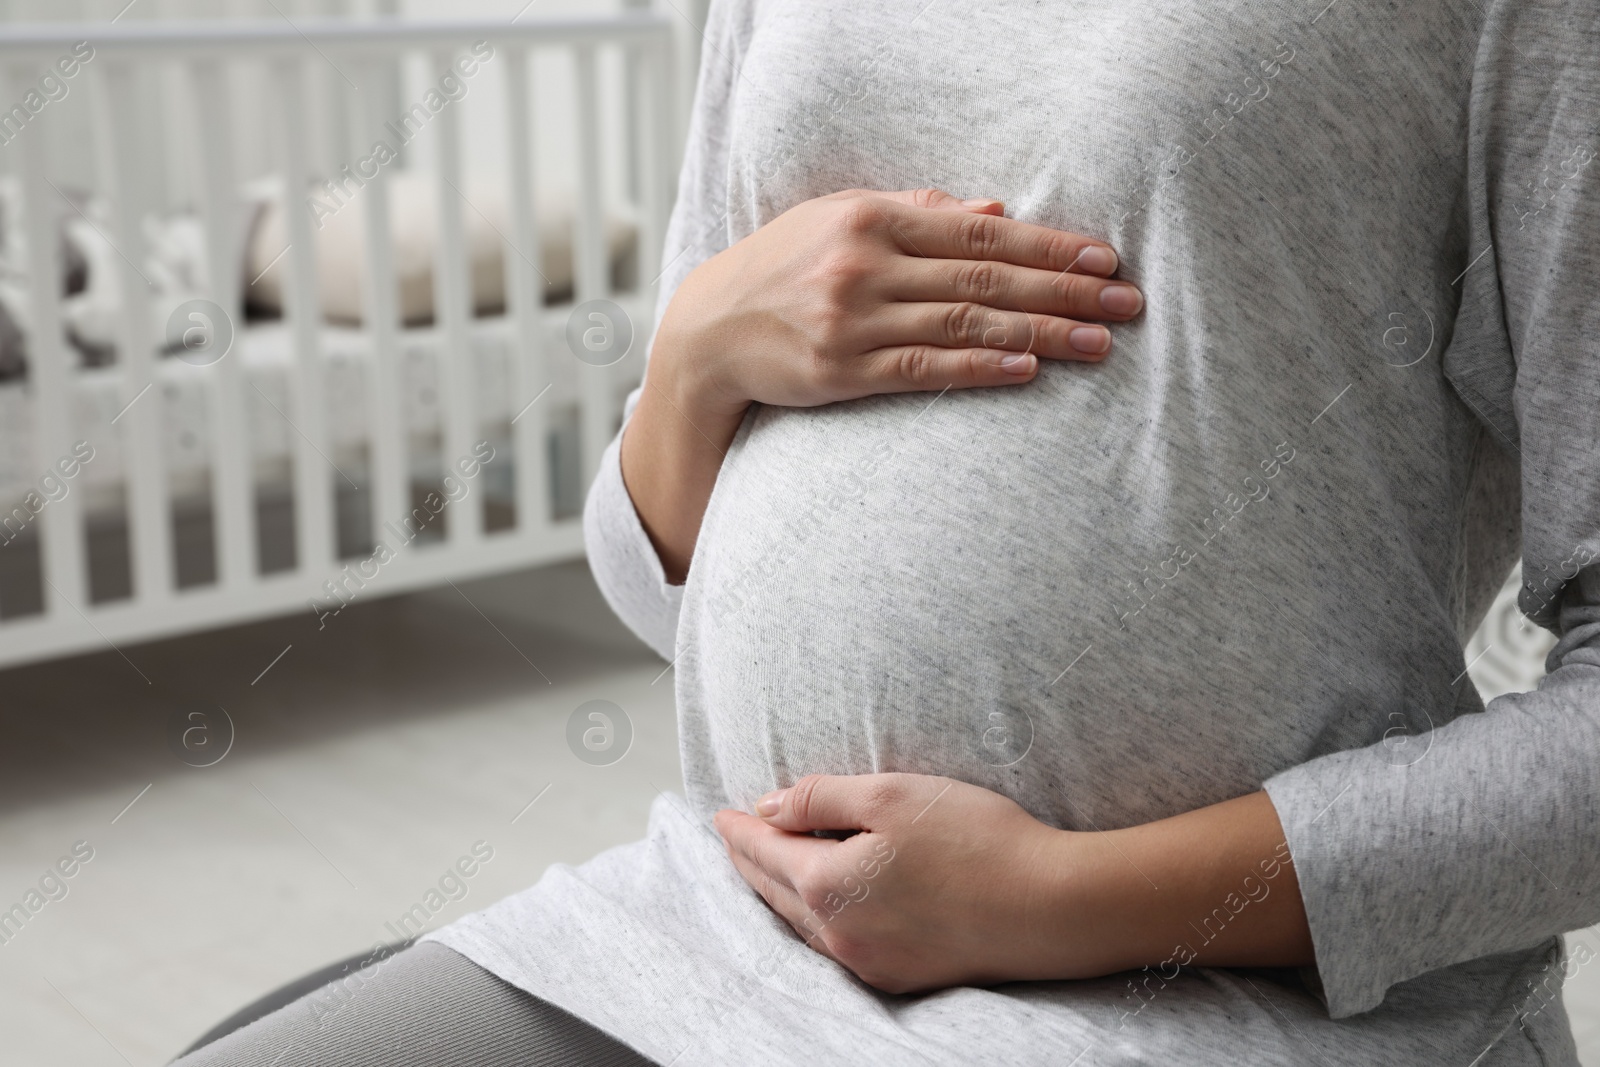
[980, 235]
[970, 325]
[779, 854]
[787, 904]
[1005, 285]
[930, 368]
[832, 802]
[936, 199]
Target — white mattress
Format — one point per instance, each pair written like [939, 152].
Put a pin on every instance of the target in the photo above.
[266, 351]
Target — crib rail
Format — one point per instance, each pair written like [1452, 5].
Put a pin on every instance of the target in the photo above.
[310, 69]
[243, 37]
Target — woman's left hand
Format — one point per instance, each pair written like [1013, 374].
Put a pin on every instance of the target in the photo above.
[946, 884]
[951, 884]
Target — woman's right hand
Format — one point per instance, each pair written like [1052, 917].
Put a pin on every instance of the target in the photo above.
[846, 296]
[864, 292]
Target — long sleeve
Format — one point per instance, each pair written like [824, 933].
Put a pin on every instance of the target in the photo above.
[623, 560]
[1503, 811]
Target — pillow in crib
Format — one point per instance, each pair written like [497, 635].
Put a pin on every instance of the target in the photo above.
[414, 228]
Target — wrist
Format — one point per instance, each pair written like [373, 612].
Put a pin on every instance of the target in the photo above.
[1095, 907]
[1213, 887]
[672, 450]
[685, 370]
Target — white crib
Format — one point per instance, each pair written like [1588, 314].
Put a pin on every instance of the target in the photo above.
[356, 458]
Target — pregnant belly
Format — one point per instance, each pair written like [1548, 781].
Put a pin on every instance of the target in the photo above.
[1009, 588]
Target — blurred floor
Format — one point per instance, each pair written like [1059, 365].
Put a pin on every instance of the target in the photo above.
[367, 759]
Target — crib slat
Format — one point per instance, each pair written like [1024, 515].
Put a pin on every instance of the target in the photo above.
[452, 296]
[252, 111]
[232, 479]
[657, 114]
[169, 180]
[334, 145]
[590, 260]
[50, 372]
[313, 470]
[118, 113]
[658, 119]
[380, 315]
[635, 79]
[530, 372]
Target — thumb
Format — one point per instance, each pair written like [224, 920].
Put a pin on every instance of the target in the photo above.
[824, 802]
[936, 199]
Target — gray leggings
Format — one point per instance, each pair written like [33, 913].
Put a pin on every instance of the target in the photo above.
[427, 1006]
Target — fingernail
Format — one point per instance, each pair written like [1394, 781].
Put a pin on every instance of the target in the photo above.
[1091, 339]
[768, 805]
[1017, 363]
[979, 201]
[1121, 299]
[1098, 260]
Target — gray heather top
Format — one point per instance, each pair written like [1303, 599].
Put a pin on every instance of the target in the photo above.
[1246, 549]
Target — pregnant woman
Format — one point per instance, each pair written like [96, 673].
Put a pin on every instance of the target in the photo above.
[1066, 571]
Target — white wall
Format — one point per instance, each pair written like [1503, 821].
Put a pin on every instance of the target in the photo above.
[168, 160]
